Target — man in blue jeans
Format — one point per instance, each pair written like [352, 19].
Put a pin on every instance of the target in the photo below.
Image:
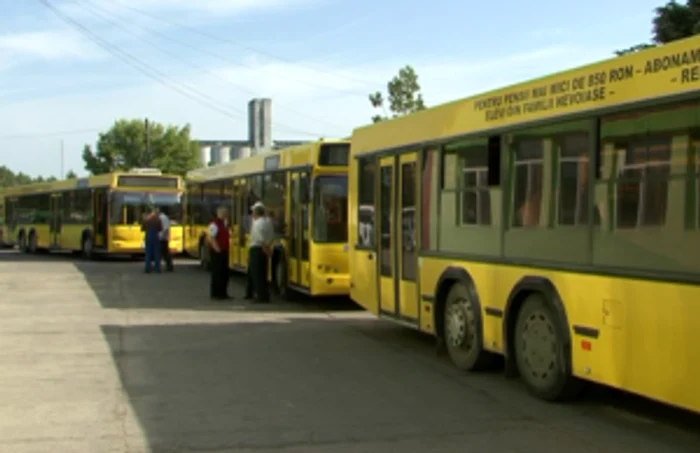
[152, 226]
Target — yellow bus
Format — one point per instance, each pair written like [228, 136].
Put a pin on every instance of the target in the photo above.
[95, 215]
[559, 225]
[3, 237]
[304, 189]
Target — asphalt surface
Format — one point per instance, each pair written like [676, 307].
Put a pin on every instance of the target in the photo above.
[97, 357]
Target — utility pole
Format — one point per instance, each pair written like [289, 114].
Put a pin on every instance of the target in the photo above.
[148, 145]
[62, 160]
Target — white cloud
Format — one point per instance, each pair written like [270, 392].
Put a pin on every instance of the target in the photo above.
[330, 101]
[46, 45]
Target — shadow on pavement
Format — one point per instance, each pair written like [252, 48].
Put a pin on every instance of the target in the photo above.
[119, 282]
[201, 376]
[286, 382]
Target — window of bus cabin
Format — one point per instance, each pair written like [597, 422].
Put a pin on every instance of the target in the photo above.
[549, 193]
[647, 168]
[128, 208]
[475, 198]
[573, 180]
[467, 199]
[527, 184]
[366, 203]
[330, 198]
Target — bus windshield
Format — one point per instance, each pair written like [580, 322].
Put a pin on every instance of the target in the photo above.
[128, 208]
[330, 204]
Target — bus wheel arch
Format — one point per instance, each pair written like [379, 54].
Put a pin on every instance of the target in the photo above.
[459, 320]
[534, 295]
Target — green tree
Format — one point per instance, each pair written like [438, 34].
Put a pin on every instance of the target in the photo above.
[403, 94]
[671, 22]
[124, 146]
[71, 175]
[8, 178]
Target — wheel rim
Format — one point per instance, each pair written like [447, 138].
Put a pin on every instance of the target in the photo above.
[538, 347]
[460, 323]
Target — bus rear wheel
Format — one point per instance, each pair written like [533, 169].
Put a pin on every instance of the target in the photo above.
[203, 256]
[87, 247]
[462, 331]
[281, 277]
[540, 353]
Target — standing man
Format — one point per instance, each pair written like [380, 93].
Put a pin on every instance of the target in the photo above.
[261, 237]
[165, 241]
[219, 246]
[152, 227]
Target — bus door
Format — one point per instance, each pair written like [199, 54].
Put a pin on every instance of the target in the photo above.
[100, 218]
[398, 289]
[56, 220]
[193, 210]
[299, 237]
[237, 231]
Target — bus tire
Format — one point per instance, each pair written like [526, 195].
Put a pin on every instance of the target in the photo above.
[86, 247]
[281, 279]
[32, 243]
[22, 242]
[204, 256]
[463, 331]
[540, 355]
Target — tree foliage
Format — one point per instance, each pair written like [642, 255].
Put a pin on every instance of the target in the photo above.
[71, 175]
[124, 146]
[671, 22]
[403, 94]
[8, 178]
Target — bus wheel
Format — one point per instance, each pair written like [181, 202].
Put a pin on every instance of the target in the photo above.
[462, 333]
[87, 247]
[539, 351]
[22, 243]
[281, 277]
[31, 247]
[203, 256]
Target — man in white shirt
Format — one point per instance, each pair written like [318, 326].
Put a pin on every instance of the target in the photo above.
[259, 251]
[164, 236]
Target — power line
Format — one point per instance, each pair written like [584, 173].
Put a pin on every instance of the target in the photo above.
[90, 7]
[238, 44]
[144, 68]
[49, 134]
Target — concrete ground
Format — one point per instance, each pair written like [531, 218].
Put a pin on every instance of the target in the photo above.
[96, 357]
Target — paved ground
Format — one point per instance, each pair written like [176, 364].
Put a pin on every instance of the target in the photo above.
[97, 357]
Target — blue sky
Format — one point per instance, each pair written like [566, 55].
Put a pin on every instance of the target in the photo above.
[316, 59]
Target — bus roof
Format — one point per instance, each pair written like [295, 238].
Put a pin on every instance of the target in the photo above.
[664, 71]
[104, 180]
[302, 155]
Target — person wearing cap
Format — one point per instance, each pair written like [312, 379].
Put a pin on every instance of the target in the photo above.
[219, 253]
[152, 226]
[261, 237]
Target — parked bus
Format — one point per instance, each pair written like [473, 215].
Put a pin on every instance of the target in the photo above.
[3, 237]
[557, 225]
[304, 189]
[94, 215]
